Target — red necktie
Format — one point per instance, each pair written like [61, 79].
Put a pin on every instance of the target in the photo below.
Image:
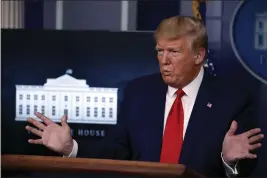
[173, 134]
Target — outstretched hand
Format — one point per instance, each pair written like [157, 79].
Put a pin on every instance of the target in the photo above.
[238, 147]
[53, 136]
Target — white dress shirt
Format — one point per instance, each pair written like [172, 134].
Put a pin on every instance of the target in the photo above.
[188, 101]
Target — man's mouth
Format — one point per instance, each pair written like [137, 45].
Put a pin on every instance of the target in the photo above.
[166, 73]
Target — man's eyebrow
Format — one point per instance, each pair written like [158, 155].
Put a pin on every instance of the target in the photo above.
[170, 47]
[174, 48]
[157, 47]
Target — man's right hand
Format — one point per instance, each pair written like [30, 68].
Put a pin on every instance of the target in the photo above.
[53, 136]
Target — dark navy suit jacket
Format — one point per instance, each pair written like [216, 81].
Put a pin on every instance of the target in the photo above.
[138, 134]
[261, 110]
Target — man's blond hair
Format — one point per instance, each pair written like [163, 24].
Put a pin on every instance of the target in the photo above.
[182, 26]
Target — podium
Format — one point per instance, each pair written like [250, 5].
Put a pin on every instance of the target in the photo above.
[52, 166]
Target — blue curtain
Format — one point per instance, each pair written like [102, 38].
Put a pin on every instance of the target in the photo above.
[151, 13]
[34, 14]
[202, 10]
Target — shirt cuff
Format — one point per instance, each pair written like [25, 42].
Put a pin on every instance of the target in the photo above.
[74, 151]
[230, 171]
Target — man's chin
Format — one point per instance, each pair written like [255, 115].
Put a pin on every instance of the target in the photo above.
[168, 80]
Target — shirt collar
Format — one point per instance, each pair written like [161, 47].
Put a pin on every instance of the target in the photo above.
[191, 89]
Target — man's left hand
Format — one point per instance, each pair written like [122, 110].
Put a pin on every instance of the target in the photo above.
[238, 147]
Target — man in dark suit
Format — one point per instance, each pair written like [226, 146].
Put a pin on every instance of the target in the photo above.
[181, 116]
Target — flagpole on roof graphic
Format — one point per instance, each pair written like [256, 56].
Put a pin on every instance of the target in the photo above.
[69, 71]
[199, 11]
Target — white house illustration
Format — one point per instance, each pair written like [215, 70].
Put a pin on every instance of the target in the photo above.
[261, 31]
[65, 94]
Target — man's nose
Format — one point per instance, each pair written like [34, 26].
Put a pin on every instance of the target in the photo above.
[165, 58]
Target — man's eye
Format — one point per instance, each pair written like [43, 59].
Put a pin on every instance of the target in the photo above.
[160, 51]
[175, 53]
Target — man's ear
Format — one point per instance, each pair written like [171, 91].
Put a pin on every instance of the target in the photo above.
[200, 56]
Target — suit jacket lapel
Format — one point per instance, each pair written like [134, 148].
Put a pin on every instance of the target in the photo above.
[158, 105]
[199, 116]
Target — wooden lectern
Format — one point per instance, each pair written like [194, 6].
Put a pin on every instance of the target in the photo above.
[49, 166]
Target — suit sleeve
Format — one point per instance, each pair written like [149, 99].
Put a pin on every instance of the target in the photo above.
[246, 119]
[261, 111]
[115, 145]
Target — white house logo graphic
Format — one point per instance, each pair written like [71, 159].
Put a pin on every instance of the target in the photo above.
[249, 37]
[261, 31]
[65, 94]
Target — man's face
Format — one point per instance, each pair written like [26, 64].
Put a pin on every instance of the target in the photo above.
[178, 64]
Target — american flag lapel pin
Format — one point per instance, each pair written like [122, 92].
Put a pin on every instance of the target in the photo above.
[209, 105]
